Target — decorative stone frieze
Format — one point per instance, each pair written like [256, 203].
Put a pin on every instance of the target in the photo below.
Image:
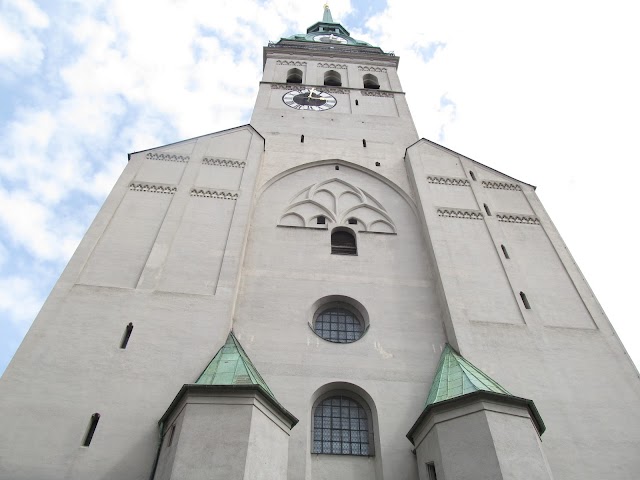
[292, 62]
[144, 187]
[456, 182]
[167, 157]
[501, 185]
[208, 193]
[459, 213]
[223, 162]
[376, 93]
[297, 86]
[332, 65]
[518, 218]
[372, 69]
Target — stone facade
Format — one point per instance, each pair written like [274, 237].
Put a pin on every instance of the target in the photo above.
[222, 232]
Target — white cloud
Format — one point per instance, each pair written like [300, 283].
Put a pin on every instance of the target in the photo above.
[20, 49]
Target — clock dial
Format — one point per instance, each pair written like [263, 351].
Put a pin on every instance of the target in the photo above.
[309, 99]
[331, 38]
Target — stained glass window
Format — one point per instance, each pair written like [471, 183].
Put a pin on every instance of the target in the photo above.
[338, 325]
[340, 426]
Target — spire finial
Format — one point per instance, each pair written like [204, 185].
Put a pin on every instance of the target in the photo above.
[327, 18]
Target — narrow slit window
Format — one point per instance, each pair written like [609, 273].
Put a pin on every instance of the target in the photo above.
[127, 334]
[473, 177]
[171, 433]
[504, 250]
[93, 423]
[364, 142]
[301, 138]
[353, 221]
[525, 301]
[431, 472]
[377, 164]
[337, 167]
[356, 103]
[321, 220]
[486, 209]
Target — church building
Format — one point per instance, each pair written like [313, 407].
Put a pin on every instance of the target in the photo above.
[320, 295]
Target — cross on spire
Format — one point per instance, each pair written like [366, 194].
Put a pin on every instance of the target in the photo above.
[326, 17]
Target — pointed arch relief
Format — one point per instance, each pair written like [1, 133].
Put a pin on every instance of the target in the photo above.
[340, 202]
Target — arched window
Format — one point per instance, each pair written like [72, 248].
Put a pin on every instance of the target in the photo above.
[343, 242]
[342, 425]
[332, 78]
[294, 76]
[371, 81]
[338, 325]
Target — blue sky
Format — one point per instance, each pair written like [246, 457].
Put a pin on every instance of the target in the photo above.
[545, 92]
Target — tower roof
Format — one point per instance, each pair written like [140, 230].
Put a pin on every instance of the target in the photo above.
[328, 31]
[456, 376]
[232, 366]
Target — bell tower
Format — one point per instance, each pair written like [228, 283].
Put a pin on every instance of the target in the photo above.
[320, 294]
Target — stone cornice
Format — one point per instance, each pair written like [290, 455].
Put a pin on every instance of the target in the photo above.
[320, 53]
[293, 86]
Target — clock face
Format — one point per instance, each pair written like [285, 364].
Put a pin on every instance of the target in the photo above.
[331, 38]
[309, 99]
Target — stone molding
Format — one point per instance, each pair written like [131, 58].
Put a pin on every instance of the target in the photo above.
[167, 157]
[145, 187]
[457, 182]
[292, 62]
[376, 93]
[500, 185]
[332, 65]
[223, 162]
[518, 218]
[460, 213]
[298, 86]
[210, 193]
[372, 69]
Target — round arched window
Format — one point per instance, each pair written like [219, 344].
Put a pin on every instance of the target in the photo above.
[338, 325]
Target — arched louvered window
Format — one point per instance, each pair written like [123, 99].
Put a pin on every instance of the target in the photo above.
[342, 426]
[371, 81]
[294, 76]
[343, 242]
[332, 78]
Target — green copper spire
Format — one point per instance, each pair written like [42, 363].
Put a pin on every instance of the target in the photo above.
[231, 366]
[326, 17]
[456, 377]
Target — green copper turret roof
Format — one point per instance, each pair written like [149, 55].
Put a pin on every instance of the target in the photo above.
[232, 366]
[326, 17]
[456, 376]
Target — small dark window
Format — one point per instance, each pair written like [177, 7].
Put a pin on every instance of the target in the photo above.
[294, 76]
[371, 81]
[301, 138]
[364, 142]
[473, 177]
[353, 221]
[93, 423]
[377, 164]
[504, 250]
[525, 302]
[486, 209]
[431, 472]
[321, 220]
[127, 335]
[343, 242]
[337, 167]
[332, 79]
[356, 103]
[171, 433]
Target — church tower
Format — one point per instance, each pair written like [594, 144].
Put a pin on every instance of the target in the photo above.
[320, 294]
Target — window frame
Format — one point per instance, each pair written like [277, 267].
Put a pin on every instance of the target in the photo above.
[359, 400]
[344, 306]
